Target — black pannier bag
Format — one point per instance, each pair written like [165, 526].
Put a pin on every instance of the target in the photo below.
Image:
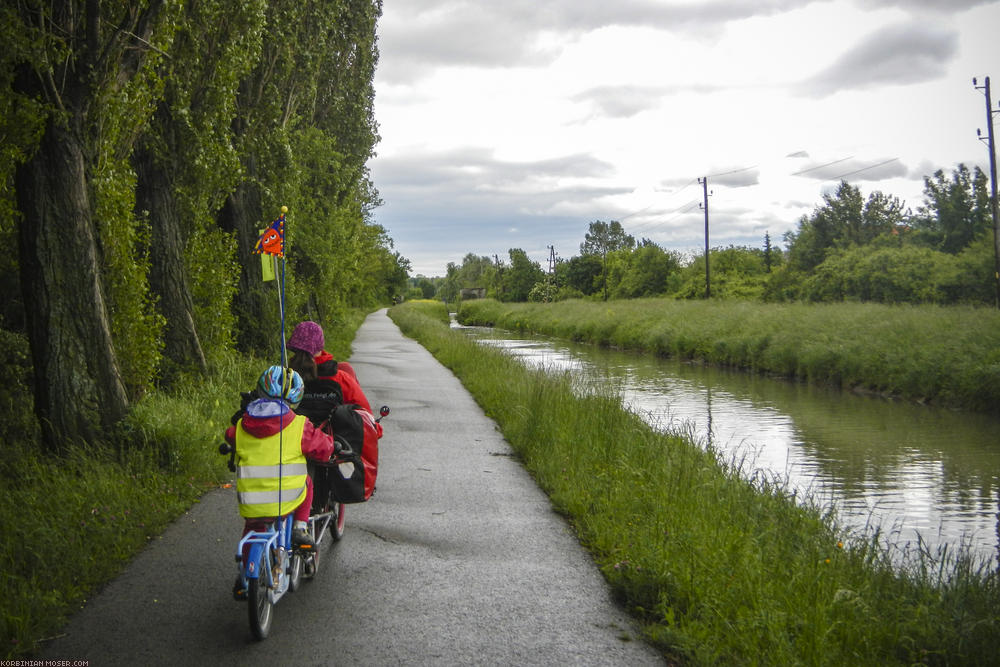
[319, 397]
[352, 481]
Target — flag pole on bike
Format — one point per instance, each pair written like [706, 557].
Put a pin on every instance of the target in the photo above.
[271, 247]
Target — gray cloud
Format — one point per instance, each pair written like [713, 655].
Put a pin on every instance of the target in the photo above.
[944, 6]
[626, 101]
[473, 167]
[458, 186]
[899, 54]
[854, 170]
[432, 33]
[429, 33]
[466, 200]
[620, 101]
[735, 177]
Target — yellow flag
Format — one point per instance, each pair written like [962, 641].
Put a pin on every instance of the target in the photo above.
[267, 267]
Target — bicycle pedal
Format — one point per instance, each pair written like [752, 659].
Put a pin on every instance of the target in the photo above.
[239, 593]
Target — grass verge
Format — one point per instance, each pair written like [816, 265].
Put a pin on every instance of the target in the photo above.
[946, 355]
[719, 565]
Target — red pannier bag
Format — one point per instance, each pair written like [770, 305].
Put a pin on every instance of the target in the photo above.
[353, 481]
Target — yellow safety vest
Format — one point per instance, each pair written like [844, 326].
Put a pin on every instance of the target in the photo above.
[271, 472]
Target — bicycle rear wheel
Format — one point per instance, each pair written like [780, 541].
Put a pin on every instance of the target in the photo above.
[260, 607]
[338, 520]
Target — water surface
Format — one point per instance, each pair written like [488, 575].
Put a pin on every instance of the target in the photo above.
[919, 473]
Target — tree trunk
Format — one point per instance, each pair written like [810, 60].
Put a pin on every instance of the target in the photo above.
[79, 391]
[240, 214]
[168, 274]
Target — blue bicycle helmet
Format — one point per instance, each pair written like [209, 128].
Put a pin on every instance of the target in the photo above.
[283, 383]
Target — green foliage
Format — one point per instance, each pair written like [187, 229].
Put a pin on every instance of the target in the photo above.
[734, 272]
[425, 288]
[956, 211]
[21, 125]
[521, 276]
[306, 131]
[604, 237]
[213, 270]
[844, 220]
[892, 271]
[19, 424]
[449, 287]
[846, 251]
[582, 273]
[270, 101]
[722, 566]
[543, 291]
[648, 270]
[136, 325]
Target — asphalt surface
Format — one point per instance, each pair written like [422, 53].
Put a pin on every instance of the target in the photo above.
[458, 559]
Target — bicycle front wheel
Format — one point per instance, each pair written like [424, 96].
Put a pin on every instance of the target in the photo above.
[295, 567]
[260, 607]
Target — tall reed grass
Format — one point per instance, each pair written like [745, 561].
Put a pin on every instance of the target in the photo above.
[946, 355]
[718, 565]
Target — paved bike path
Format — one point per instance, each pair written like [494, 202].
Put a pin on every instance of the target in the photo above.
[457, 560]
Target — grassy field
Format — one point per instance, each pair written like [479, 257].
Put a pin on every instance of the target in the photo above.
[945, 355]
[718, 566]
[70, 524]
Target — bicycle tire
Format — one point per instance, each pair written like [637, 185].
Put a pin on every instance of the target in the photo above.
[337, 524]
[295, 567]
[260, 608]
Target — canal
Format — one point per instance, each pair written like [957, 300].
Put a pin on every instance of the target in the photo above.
[926, 477]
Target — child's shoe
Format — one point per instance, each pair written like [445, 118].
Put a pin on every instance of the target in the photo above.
[301, 539]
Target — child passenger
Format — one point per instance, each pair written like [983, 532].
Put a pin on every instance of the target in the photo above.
[272, 445]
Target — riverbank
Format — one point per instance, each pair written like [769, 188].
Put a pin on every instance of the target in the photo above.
[944, 355]
[720, 570]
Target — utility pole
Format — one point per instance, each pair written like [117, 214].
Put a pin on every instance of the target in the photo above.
[993, 181]
[708, 282]
[550, 277]
[499, 277]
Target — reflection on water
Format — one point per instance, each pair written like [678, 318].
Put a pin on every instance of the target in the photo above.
[910, 469]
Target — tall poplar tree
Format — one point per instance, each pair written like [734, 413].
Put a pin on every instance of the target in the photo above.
[86, 69]
[185, 163]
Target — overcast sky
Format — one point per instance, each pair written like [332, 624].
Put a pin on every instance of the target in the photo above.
[516, 123]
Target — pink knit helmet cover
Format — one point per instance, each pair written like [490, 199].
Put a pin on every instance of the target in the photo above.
[308, 337]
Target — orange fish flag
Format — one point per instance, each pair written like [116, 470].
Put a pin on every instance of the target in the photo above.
[272, 241]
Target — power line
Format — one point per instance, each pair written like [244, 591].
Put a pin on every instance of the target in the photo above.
[806, 171]
[677, 212]
[858, 171]
[734, 171]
